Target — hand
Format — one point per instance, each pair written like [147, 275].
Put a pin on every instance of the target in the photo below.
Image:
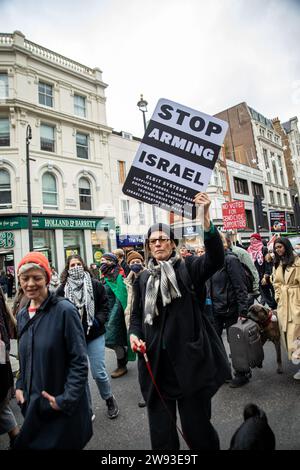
[202, 199]
[19, 396]
[136, 343]
[52, 401]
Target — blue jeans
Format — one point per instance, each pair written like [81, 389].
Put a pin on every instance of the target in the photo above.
[96, 354]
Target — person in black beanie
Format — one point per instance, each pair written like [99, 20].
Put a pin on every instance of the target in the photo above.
[187, 357]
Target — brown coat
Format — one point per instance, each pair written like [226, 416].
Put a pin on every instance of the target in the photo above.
[287, 296]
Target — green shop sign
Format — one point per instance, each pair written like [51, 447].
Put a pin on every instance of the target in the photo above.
[7, 240]
[52, 223]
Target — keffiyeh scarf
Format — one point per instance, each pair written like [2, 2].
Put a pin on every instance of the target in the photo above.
[162, 277]
[79, 290]
[255, 251]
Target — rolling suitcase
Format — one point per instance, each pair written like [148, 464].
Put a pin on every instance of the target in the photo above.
[245, 345]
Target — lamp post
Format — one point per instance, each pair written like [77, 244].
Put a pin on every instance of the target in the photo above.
[30, 235]
[142, 105]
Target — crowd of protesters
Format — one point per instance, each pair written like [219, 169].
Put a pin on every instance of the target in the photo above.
[174, 303]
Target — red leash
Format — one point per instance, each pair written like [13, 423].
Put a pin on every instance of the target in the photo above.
[142, 350]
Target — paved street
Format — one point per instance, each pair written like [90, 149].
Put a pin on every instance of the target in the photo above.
[277, 394]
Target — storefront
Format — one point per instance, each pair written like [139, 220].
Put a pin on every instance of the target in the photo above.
[56, 237]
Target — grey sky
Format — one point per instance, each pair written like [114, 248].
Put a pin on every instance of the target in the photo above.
[205, 55]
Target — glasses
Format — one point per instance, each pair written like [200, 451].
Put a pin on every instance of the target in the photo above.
[153, 241]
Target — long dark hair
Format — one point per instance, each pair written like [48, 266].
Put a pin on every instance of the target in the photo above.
[289, 256]
[64, 275]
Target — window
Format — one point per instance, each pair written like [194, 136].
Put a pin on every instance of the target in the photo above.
[47, 138]
[82, 145]
[49, 191]
[276, 138]
[269, 175]
[285, 199]
[45, 94]
[241, 186]
[223, 180]
[80, 105]
[279, 199]
[125, 211]
[265, 154]
[262, 131]
[275, 172]
[257, 189]
[85, 196]
[122, 171]
[270, 135]
[141, 213]
[3, 85]
[214, 180]
[4, 132]
[272, 199]
[249, 220]
[5, 190]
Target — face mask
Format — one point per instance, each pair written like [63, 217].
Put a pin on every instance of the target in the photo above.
[105, 268]
[77, 272]
[136, 268]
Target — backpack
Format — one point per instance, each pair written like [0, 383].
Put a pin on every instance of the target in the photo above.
[249, 278]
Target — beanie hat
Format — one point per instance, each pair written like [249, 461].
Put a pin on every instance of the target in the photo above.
[162, 228]
[110, 257]
[256, 235]
[134, 255]
[37, 259]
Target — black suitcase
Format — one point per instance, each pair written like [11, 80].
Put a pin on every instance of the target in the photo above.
[245, 345]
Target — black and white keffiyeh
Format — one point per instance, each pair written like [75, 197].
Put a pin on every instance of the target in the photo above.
[162, 277]
[79, 290]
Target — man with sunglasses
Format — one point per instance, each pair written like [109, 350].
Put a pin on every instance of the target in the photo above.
[187, 358]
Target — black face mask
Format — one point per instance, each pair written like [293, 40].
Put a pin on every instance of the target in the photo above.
[136, 267]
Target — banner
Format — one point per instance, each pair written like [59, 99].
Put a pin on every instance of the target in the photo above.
[176, 157]
[234, 215]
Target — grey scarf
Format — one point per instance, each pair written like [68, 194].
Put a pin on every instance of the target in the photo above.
[79, 290]
[162, 276]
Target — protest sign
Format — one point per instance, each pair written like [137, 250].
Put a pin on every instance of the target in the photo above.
[234, 215]
[278, 221]
[175, 158]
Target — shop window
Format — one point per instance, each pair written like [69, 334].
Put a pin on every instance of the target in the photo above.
[74, 243]
[85, 196]
[5, 190]
[44, 242]
[49, 191]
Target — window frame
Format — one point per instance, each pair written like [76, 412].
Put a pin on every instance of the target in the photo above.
[78, 106]
[5, 87]
[83, 195]
[237, 183]
[8, 204]
[81, 147]
[45, 95]
[50, 126]
[125, 211]
[6, 138]
[47, 205]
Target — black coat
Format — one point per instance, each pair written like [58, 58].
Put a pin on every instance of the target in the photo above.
[196, 353]
[101, 310]
[228, 290]
[53, 357]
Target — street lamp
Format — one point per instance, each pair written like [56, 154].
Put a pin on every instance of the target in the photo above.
[142, 105]
[30, 235]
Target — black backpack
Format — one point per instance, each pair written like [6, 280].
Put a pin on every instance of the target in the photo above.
[249, 278]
